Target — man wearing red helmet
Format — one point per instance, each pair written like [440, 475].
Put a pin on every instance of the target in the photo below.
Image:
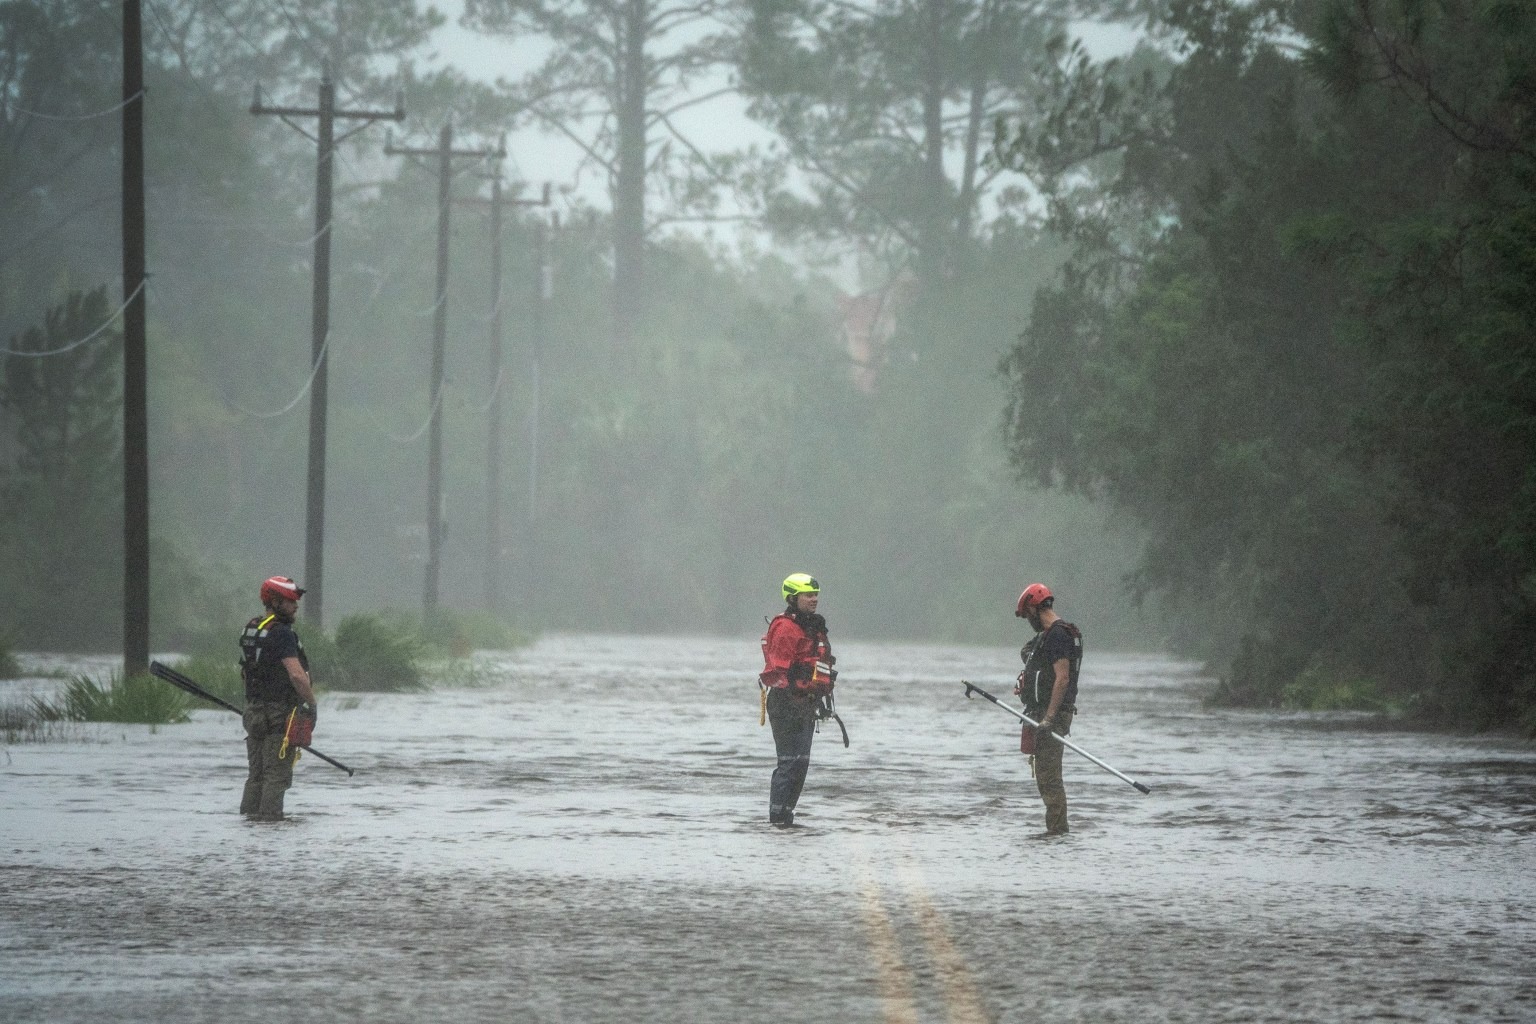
[277, 692]
[1048, 688]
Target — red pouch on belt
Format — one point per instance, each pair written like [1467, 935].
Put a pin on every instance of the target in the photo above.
[1027, 739]
[301, 729]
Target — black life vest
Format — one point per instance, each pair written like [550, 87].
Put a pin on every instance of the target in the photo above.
[266, 678]
[1039, 676]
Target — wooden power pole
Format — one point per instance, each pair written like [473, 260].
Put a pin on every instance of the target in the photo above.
[493, 553]
[320, 321]
[445, 154]
[135, 356]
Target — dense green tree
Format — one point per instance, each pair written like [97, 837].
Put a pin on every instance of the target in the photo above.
[62, 484]
[1292, 338]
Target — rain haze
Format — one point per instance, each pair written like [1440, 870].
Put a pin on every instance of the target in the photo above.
[558, 351]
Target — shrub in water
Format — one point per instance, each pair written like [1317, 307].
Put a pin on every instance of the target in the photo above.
[366, 654]
[1318, 689]
[139, 699]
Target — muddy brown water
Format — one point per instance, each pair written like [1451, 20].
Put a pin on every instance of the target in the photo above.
[583, 839]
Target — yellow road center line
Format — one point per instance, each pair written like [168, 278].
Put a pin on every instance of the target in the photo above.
[962, 1004]
[895, 986]
[896, 1002]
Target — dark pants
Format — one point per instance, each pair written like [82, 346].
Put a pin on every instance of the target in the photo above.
[793, 719]
[1048, 779]
[270, 775]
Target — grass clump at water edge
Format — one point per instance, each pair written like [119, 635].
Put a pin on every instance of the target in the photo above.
[136, 699]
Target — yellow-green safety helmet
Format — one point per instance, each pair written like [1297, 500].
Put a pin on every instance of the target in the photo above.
[798, 583]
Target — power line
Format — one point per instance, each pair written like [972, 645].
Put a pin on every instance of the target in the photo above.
[82, 341]
[414, 437]
[332, 341]
[79, 117]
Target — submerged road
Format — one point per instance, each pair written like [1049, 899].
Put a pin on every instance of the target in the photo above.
[583, 839]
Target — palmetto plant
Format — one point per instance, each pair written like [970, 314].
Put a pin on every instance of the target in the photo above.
[137, 699]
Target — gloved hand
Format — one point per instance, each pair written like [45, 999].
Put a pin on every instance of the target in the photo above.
[824, 706]
[1045, 727]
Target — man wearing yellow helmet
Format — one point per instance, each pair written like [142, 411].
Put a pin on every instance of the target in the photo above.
[796, 682]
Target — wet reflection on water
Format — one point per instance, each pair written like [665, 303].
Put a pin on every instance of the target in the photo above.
[584, 840]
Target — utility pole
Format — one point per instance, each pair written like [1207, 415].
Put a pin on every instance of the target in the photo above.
[445, 154]
[493, 560]
[543, 290]
[320, 319]
[135, 356]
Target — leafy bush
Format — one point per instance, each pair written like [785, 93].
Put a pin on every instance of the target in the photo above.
[139, 699]
[367, 654]
[1316, 690]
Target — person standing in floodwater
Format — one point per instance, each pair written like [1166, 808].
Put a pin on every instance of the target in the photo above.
[280, 710]
[796, 689]
[1048, 688]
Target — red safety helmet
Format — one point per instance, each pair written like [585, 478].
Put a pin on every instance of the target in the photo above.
[1035, 596]
[280, 586]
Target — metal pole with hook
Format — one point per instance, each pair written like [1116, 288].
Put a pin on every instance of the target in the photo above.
[181, 682]
[971, 688]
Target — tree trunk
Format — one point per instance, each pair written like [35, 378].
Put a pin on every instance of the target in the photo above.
[935, 221]
[629, 187]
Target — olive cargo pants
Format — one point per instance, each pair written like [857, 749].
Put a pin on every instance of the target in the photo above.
[270, 775]
[1048, 779]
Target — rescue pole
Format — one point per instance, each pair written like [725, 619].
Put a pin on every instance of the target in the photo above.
[971, 688]
[181, 682]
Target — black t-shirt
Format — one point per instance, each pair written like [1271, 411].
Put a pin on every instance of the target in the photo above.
[1058, 642]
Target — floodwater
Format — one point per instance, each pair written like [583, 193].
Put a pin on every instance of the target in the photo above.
[583, 838]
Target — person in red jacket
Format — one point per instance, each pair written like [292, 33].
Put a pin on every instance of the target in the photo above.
[796, 683]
